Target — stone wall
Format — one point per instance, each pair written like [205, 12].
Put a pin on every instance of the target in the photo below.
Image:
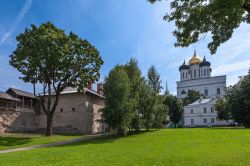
[77, 113]
[17, 121]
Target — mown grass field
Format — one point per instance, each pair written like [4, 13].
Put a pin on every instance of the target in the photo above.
[187, 147]
[9, 141]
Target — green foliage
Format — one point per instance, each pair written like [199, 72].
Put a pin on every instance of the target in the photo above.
[222, 109]
[55, 60]
[161, 111]
[175, 108]
[197, 18]
[146, 104]
[192, 96]
[154, 80]
[237, 97]
[117, 112]
[135, 77]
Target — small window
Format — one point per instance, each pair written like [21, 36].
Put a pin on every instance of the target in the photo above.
[205, 120]
[212, 109]
[201, 73]
[192, 121]
[218, 91]
[183, 75]
[204, 109]
[205, 72]
[192, 111]
[61, 110]
[73, 109]
[194, 73]
[212, 120]
[93, 110]
[186, 75]
[206, 92]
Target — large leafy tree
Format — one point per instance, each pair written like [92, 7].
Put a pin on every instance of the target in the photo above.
[55, 60]
[117, 112]
[175, 109]
[154, 80]
[146, 104]
[197, 18]
[223, 112]
[158, 110]
[238, 103]
[191, 97]
[135, 77]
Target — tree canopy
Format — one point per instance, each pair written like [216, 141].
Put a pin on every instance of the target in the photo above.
[191, 97]
[195, 19]
[117, 112]
[55, 60]
[175, 108]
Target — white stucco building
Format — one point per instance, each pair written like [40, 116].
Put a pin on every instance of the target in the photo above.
[196, 75]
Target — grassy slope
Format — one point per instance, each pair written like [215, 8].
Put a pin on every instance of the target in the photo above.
[209, 146]
[8, 141]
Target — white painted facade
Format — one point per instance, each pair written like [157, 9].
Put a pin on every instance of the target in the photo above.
[196, 75]
[202, 113]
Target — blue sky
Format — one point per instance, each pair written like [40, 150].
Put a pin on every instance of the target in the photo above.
[119, 29]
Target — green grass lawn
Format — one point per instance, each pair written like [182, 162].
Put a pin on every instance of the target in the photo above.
[9, 140]
[187, 147]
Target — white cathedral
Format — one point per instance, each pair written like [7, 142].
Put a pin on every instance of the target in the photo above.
[196, 75]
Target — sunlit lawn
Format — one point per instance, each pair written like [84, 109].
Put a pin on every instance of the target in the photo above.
[186, 147]
[8, 141]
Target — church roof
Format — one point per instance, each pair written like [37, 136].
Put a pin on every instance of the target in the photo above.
[183, 66]
[205, 62]
[195, 60]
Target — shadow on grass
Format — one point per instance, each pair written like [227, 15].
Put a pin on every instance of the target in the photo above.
[106, 139]
[13, 141]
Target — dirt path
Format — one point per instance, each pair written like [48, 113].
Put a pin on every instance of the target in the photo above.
[54, 143]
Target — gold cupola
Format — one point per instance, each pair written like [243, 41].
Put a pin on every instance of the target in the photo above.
[195, 60]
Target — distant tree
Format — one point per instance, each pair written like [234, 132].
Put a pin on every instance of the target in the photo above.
[191, 97]
[223, 112]
[146, 104]
[158, 109]
[161, 111]
[46, 55]
[237, 97]
[135, 77]
[117, 112]
[175, 108]
[154, 80]
[197, 18]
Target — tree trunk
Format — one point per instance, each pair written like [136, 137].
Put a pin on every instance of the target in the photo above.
[49, 125]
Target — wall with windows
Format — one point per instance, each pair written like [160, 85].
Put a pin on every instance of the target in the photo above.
[202, 114]
[211, 86]
[76, 112]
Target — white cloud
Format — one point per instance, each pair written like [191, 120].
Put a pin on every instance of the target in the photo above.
[18, 19]
[233, 67]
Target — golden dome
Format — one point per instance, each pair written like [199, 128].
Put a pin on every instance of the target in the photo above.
[195, 60]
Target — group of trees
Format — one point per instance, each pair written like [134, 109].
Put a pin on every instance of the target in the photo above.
[133, 101]
[236, 104]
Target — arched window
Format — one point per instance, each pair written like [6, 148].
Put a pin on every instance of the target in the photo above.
[205, 72]
[186, 75]
[194, 73]
[201, 73]
[183, 75]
